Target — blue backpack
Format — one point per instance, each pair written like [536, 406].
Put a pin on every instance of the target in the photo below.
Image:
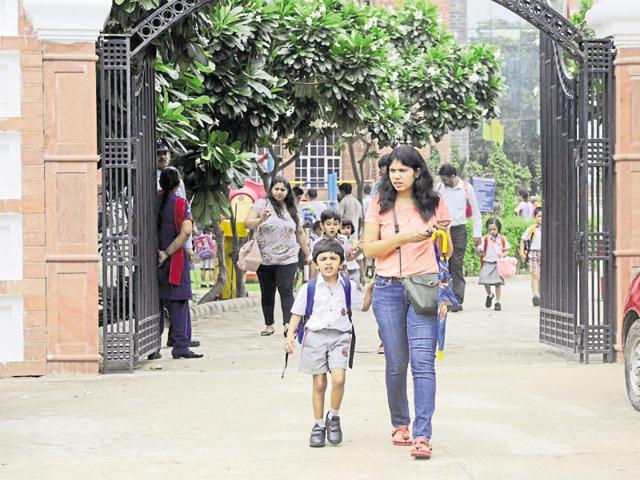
[311, 293]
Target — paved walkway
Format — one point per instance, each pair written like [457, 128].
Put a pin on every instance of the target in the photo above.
[507, 408]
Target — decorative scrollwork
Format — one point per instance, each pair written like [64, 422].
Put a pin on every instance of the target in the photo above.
[161, 20]
[549, 21]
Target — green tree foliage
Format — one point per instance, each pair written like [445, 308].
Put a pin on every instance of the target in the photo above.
[241, 74]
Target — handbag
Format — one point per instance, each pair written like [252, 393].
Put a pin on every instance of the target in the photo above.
[506, 267]
[249, 256]
[422, 290]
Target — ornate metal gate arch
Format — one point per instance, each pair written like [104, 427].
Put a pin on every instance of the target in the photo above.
[577, 149]
[578, 296]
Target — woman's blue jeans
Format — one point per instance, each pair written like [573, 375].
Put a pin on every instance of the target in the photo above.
[407, 337]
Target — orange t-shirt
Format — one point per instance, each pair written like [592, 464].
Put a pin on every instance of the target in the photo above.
[417, 258]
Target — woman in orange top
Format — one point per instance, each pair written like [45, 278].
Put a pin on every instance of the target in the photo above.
[408, 250]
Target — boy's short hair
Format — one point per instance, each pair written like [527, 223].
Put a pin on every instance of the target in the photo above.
[447, 170]
[297, 191]
[524, 194]
[312, 193]
[367, 188]
[537, 211]
[328, 245]
[346, 188]
[330, 214]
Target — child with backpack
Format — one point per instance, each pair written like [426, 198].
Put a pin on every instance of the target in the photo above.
[530, 249]
[205, 248]
[321, 314]
[494, 245]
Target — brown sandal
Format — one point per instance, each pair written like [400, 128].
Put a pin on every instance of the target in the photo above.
[422, 448]
[406, 438]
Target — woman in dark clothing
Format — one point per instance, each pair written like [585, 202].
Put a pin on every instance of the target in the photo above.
[174, 229]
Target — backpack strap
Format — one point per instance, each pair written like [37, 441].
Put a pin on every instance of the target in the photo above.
[346, 284]
[311, 294]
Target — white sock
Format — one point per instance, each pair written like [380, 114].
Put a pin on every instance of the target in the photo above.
[334, 413]
[319, 422]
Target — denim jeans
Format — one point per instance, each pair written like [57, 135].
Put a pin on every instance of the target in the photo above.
[407, 338]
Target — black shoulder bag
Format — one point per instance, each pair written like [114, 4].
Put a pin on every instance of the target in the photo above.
[422, 290]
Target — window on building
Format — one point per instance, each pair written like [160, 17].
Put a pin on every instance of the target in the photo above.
[318, 159]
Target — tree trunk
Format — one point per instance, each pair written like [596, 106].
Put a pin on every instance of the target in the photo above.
[239, 274]
[356, 173]
[214, 293]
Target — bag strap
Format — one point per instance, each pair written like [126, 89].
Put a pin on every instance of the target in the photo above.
[397, 230]
[311, 295]
[346, 284]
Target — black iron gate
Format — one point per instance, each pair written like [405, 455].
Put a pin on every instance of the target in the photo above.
[130, 304]
[578, 301]
[577, 284]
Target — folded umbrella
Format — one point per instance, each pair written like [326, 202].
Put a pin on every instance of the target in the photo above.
[446, 295]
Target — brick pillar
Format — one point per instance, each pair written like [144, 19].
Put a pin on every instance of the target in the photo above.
[70, 155]
[620, 19]
[66, 187]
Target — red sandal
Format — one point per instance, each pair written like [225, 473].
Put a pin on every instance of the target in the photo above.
[422, 448]
[406, 438]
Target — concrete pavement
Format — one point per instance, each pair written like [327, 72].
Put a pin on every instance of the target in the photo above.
[507, 408]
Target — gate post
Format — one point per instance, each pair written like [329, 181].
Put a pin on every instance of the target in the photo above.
[68, 30]
[620, 19]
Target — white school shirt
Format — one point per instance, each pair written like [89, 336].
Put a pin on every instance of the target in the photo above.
[456, 199]
[329, 305]
[341, 239]
[536, 241]
[494, 248]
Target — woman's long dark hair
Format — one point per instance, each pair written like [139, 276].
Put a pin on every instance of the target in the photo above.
[425, 198]
[169, 179]
[289, 200]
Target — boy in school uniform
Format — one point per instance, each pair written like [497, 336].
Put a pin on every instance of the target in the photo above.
[327, 336]
[330, 221]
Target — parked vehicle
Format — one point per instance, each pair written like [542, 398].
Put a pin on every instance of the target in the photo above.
[631, 342]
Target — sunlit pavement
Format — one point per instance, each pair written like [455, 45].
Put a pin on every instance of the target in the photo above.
[508, 407]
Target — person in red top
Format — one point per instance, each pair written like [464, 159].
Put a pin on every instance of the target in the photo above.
[174, 229]
[408, 337]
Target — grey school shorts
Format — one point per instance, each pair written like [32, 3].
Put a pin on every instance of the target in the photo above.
[323, 350]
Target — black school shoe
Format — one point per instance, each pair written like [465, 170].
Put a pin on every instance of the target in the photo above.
[497, 307]
[334, 432]
[318, 435]
[489, 301]
[193, 344]
[187, 354]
